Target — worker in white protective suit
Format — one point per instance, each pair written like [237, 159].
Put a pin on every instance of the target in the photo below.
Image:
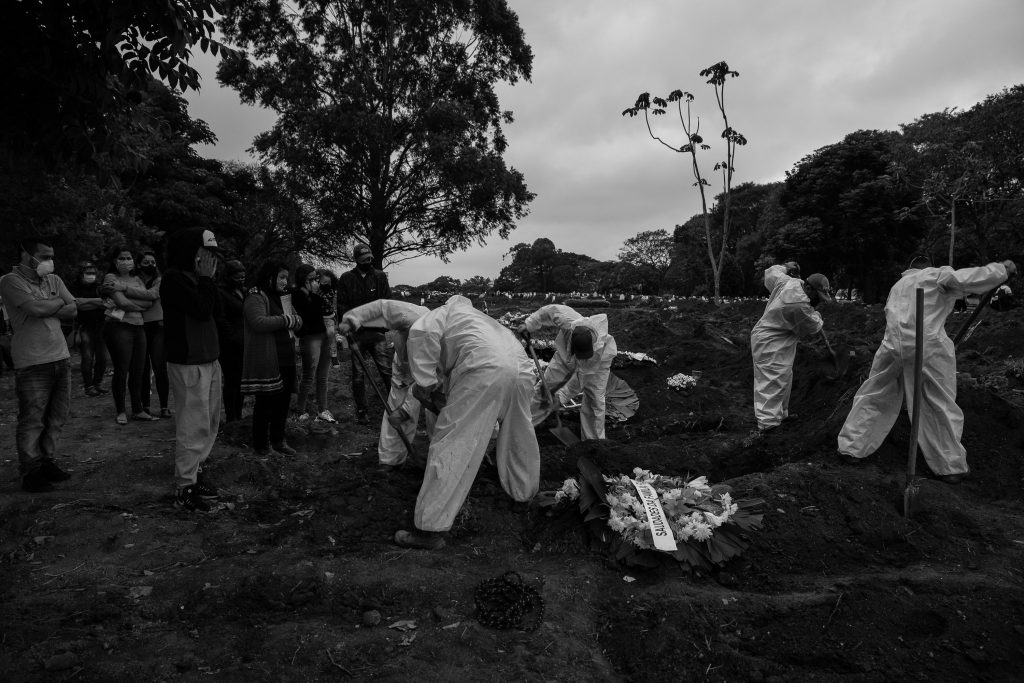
[399, 317]
[877, 403]
[583, 348]
[789, 316]
[488, 379]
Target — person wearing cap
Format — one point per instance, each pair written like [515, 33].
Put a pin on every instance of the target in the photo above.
[877, 403]
[356, 287]
[192, 345]
[584, 349]
[788, 316]
[231, 335]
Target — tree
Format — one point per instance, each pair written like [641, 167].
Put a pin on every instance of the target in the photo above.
[388, 122]
[541, 267]
[650, 250]
[863, 232]
[477, 284]
[444, 283]
[72, 64]
[718, 74]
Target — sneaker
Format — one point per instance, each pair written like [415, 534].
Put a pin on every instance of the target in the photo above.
[422, 540]
[122, 419]
[100, 390]
[92, 392]
[144, 416]
[36, 482]
[305, 417]
[205, 491]
[267, 452]
[335, 362]
[52, 472]
[165, 412]
[284, 449]
[188, 499]
[326, 416]
[361, 417]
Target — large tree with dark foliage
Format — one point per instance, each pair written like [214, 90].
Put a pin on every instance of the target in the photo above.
[388, 122]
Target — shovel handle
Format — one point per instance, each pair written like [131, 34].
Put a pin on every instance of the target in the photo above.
[354, 347]
[962, 332]
[540, 375]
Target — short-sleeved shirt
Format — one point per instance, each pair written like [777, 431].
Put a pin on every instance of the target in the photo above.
[36, 340]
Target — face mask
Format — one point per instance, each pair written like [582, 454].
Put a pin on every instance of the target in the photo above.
[148, 269]
[88, 279]
[44, 268]
[125, 266]
[365, 267]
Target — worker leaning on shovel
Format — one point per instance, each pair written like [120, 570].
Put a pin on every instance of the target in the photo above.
[788, 316]
[403, 409]
[878, 401]
[582, 347]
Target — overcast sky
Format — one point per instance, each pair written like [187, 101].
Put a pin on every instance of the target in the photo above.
[811, 71]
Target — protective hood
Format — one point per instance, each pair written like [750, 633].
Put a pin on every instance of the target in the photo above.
[387, 313]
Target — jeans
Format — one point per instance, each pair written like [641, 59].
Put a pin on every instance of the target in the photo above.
[94, 355]
[44, 402]
[316, 362]
[271, 412]
[127, 346]
[156, 361]
[197, 417]
[231, 365]
[373, 347]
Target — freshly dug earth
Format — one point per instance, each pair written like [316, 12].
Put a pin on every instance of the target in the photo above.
[103, 580]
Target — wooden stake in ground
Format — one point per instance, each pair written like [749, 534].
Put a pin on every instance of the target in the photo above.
[910, 492]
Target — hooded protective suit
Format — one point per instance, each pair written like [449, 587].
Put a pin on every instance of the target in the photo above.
[489, 379]
[592, 372]
[787, 317]
[877, 403]
[398, 316]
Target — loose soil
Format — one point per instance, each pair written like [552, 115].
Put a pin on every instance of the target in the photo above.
[102, 580]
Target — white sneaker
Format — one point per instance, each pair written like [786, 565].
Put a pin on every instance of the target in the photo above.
[326, 416]
[305, 417]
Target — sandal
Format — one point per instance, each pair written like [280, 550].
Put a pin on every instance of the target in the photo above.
[418, 539]
[122, 419]
[144, 417]
[165, 412]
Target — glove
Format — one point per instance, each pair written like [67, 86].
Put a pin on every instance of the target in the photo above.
[398, 417]
[1011, 268]
[792, 268]
[523, 332]
[432, 397]
[345, 328]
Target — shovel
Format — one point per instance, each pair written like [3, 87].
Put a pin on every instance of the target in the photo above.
[380, 394]
[563, 434]
[840, 365]
[968, 327]
[910, 492]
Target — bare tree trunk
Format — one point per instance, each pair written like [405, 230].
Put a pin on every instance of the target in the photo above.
[952, 232]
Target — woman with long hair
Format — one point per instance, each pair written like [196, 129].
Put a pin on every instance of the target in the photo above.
[316, 354]
[268, 363]
[123, 331]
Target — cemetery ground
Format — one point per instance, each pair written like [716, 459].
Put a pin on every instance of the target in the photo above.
[295, 576]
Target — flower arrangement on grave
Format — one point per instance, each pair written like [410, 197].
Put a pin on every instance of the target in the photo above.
[681, 381]
[646, 518]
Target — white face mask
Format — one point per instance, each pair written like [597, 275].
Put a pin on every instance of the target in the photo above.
[44, 268]
[88, 279]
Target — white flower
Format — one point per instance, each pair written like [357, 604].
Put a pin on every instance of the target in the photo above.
[699, 531]
[570, 491]
[681, 381]
[700, 484]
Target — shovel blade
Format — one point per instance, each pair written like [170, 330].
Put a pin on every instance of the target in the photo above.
[565, 435]
[910, 498]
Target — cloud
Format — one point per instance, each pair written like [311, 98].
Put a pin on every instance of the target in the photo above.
[811, 72]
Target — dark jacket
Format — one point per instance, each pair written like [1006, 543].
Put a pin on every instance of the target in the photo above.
[190, 318]
[230, 321]
[356, 289]
[310, 308]
[92, 318]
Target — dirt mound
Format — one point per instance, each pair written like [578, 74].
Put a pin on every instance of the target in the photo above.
[103, 580]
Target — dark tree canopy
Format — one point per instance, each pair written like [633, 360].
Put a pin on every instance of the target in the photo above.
[388, 122]
[70, 64]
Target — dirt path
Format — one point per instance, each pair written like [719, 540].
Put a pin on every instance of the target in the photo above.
[102, 580]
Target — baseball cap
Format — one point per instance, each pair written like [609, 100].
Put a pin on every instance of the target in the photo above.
[361, 250]
[820, 283]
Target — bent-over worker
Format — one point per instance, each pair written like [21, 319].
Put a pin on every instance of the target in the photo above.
[877, 403]
[583, 348]
[788, 316]
[489, 380]
[398, 316]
